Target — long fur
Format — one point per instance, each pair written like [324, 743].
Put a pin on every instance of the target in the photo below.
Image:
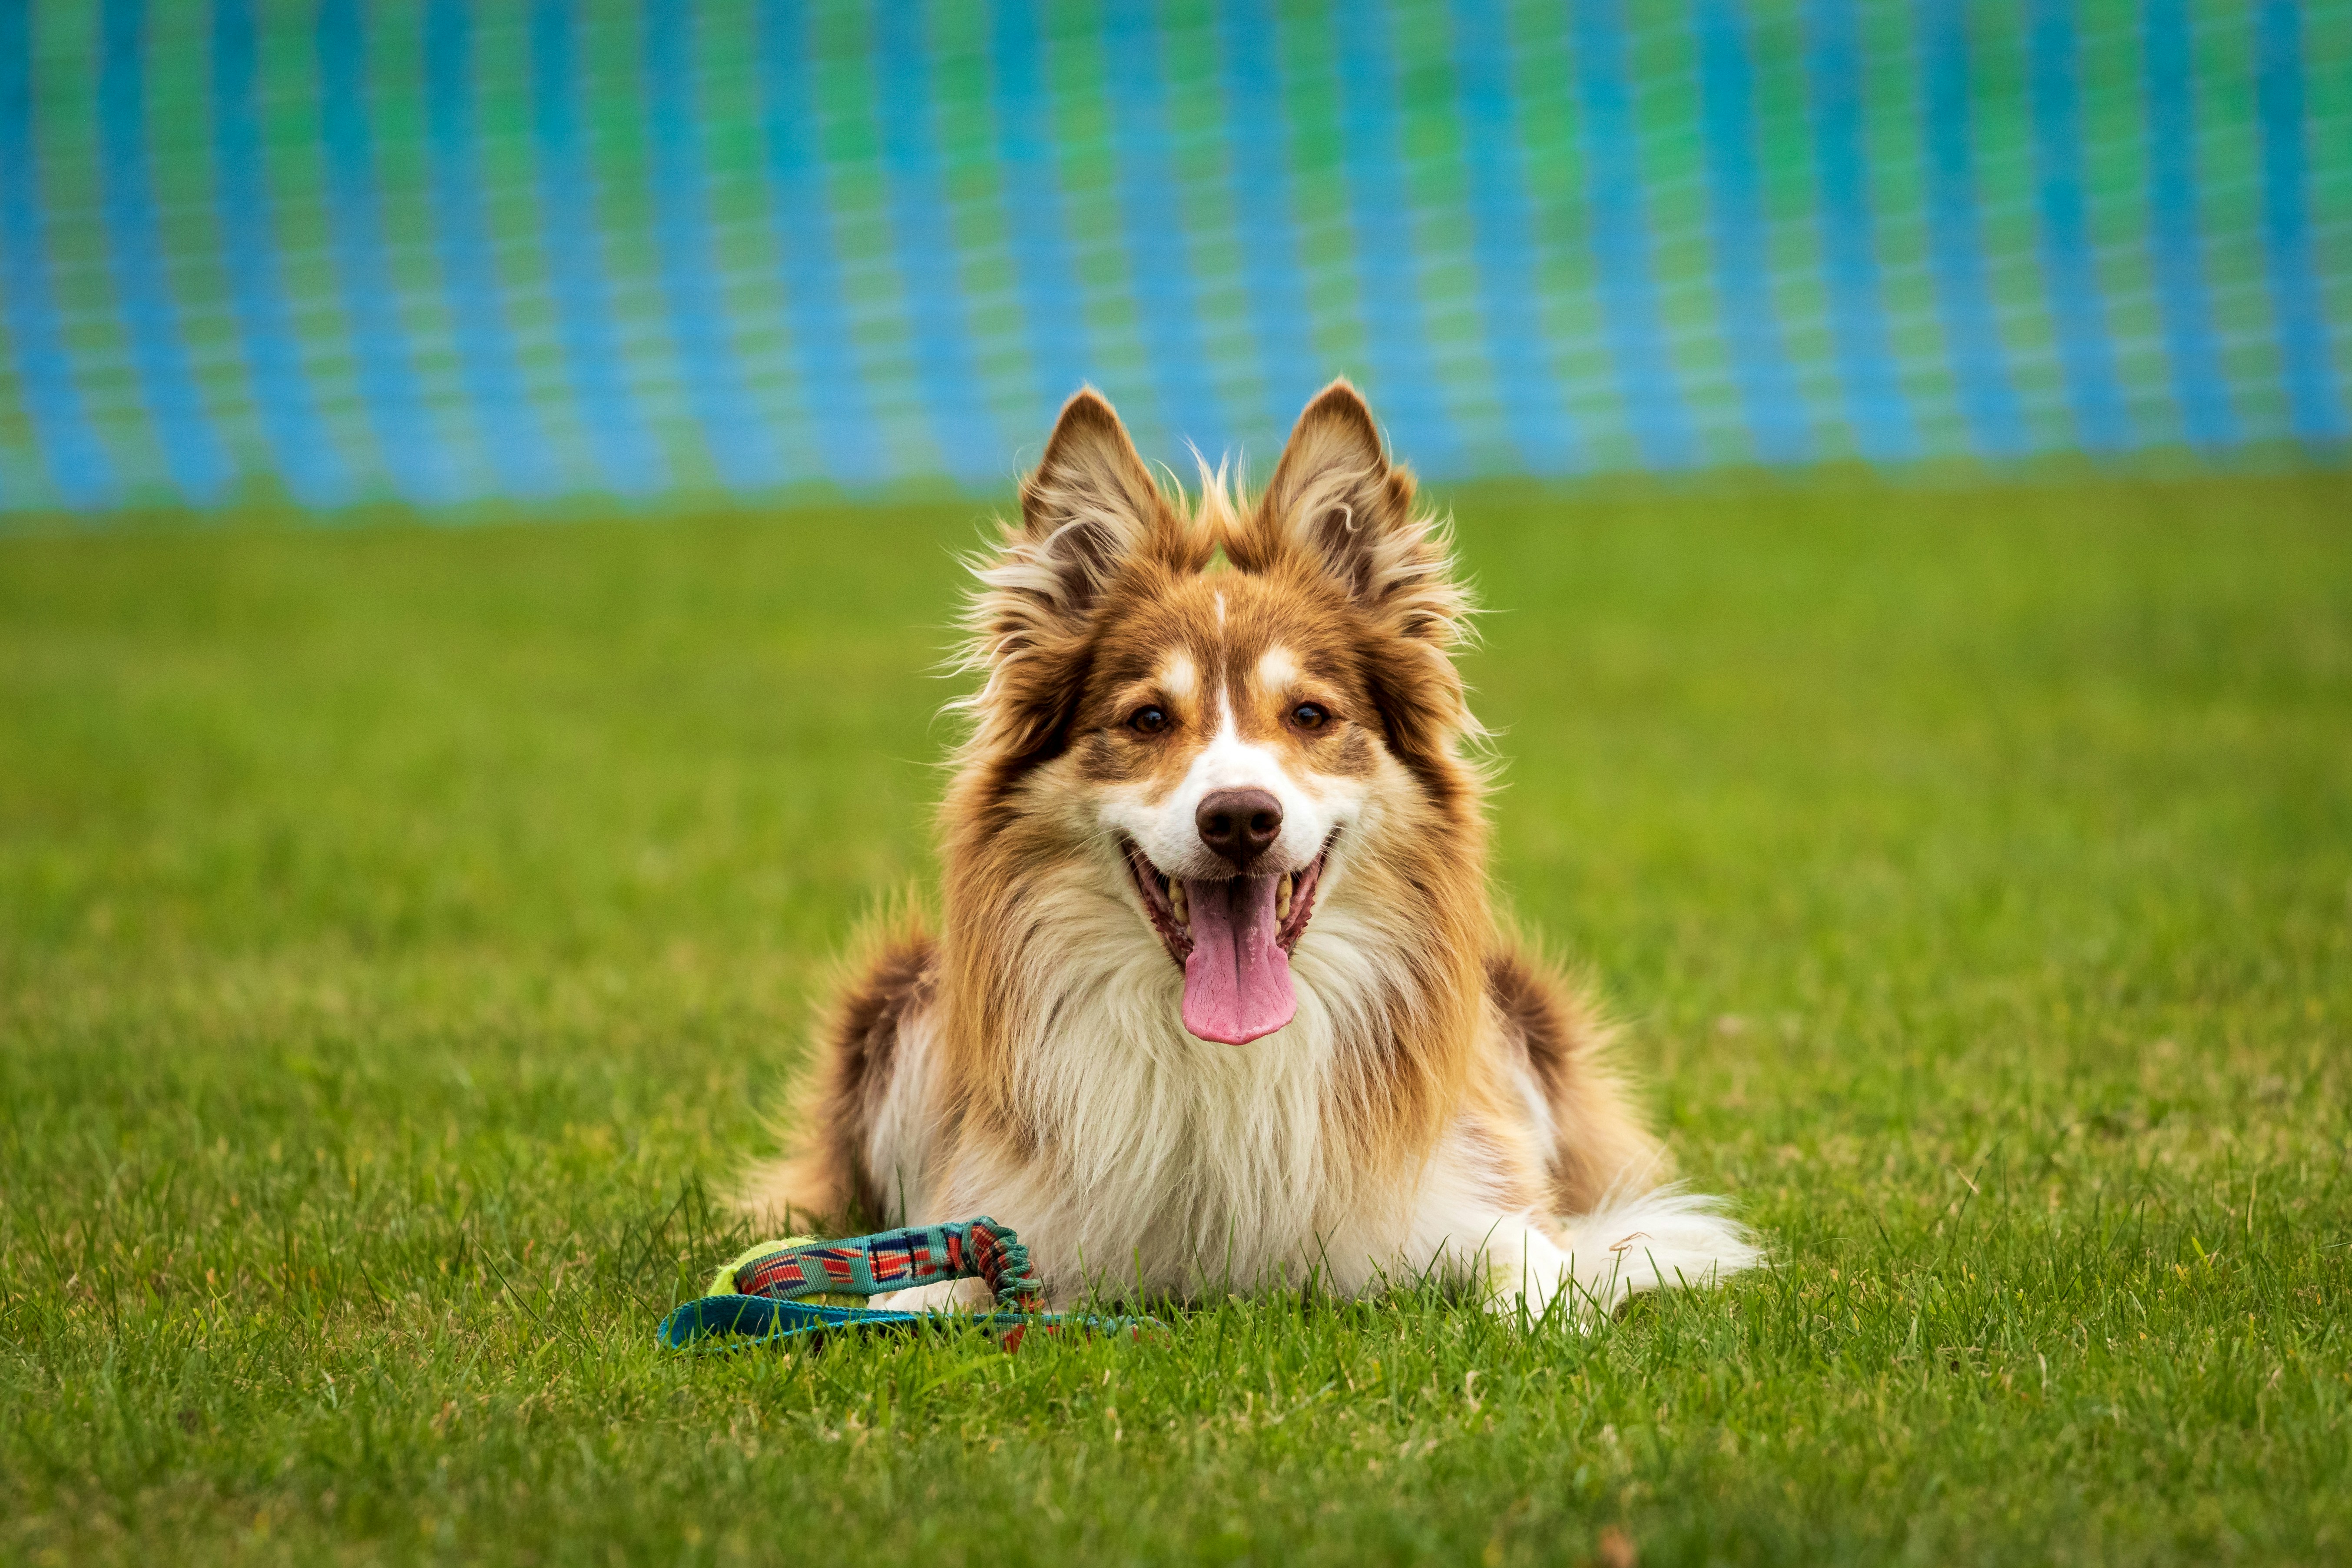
[1441, 1100]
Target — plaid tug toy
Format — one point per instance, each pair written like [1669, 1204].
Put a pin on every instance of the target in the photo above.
[799, 1287]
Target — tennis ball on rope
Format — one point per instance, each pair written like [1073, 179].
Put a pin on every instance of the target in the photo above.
[723, 1282]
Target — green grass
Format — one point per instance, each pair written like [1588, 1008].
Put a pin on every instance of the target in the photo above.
[402, 932]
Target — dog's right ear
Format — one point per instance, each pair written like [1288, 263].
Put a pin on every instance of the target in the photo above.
[1088, 508]
[1089, 513]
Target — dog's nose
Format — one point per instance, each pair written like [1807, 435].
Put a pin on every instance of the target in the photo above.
[1238, 824]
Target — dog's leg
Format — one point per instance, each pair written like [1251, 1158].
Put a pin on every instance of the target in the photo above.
[1589, 1265]
[1520, 1268]
[1658, 1240]
[1655, 1240]
[946, 1296]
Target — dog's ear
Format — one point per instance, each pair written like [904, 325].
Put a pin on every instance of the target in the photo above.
[1089, 514]
[1338, 501]
[1088, 508]
[1337, 508]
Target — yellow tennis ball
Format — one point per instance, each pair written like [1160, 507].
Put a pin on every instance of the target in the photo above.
[723, 1282]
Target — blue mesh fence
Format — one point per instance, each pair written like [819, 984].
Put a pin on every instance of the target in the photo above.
[443, 250]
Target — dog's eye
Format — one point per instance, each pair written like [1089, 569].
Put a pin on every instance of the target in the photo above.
[1310, 716]
[1147, 721]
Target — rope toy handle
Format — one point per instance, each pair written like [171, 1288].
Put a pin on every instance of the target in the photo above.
[898, 1260]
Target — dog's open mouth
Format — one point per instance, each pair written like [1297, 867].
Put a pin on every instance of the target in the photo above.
[1232, 938]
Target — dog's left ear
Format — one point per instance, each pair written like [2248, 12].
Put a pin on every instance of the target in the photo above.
[1339, 508]
[1337, 500]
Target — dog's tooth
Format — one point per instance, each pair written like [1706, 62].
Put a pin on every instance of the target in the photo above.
[1282, 896]
[1176, 902]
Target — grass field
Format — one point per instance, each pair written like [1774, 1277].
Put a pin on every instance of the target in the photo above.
[401, 933]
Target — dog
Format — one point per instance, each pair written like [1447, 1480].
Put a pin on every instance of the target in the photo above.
[1219, 1002]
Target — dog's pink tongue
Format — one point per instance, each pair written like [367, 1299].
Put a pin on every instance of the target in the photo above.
[1237, 980]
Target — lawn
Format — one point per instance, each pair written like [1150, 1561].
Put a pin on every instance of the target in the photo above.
[403, 935]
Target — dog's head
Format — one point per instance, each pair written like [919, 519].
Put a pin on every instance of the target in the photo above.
[1222, 749]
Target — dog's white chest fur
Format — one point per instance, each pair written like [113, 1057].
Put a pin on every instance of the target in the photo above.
[1177, 1163]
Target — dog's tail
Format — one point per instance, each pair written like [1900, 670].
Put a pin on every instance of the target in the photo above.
[1654, 1240]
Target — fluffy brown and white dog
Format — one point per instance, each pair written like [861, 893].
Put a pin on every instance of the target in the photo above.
[1218, 1000]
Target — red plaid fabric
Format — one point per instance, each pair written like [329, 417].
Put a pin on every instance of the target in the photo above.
[898, 1260]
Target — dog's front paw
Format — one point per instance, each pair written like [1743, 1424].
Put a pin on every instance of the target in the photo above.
[947, 1295]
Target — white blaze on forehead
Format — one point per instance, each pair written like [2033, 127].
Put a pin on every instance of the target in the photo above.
[1276, 669]
[1180, 676]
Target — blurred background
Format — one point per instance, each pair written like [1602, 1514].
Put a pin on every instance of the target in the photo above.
[444, 252]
